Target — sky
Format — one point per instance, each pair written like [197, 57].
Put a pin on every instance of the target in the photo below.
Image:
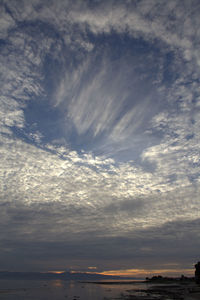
[99, 136]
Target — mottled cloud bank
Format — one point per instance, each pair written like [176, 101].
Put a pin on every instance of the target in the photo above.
[99, 136]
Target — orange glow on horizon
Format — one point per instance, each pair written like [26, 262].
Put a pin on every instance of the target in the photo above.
[146, 273]
[56, 272]
[173, 272]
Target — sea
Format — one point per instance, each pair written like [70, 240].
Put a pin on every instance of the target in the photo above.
[69, 290]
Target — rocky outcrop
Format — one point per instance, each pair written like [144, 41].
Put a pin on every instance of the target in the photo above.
[197, 273]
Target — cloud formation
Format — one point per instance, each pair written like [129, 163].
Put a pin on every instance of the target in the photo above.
[99, 136]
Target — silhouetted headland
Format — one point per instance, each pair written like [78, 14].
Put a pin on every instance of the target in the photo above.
[197, 272]
[161, 279]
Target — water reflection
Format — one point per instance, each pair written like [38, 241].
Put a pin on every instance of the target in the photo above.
[72, 284]
[58, 283]
[58, 289]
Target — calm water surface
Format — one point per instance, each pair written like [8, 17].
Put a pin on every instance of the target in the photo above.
[58, 289]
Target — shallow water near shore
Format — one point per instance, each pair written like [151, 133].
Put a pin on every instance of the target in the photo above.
[100, 290]
[59, 289]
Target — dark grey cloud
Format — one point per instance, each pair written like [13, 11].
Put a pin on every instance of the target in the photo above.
[133, 207]
[41, 238]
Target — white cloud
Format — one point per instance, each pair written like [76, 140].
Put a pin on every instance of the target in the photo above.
[6, 22]
[150, 20]
[173, 23]
[90, 184]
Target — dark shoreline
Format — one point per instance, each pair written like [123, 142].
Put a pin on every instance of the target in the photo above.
[115, 282]
[167, 289]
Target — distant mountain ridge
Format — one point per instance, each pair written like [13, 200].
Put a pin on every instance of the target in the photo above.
[54, 276]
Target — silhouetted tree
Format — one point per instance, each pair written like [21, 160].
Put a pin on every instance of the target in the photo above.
[197, 273]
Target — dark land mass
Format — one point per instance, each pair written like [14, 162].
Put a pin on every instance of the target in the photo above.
[161, 279]
[185, 290]
[161, 288]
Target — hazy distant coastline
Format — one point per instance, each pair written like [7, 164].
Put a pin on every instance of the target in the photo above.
[61, 276]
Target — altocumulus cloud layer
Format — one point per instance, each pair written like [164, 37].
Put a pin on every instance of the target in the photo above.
[100, 142]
